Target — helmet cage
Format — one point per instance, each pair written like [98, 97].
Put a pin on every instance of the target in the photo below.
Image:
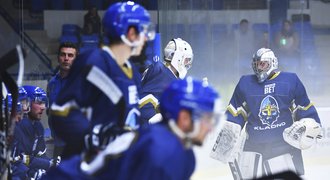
[267, 56]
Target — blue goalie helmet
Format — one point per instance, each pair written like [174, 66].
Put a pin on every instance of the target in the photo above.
[187, 94]
[36, 94]
[122, 15]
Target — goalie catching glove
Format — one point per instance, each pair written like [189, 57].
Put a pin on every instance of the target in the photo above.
[302, 134]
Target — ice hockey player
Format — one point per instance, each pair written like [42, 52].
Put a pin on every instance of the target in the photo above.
[29, 147]
[178, 58]
[158, 151]
[101, 86]
[279, 120]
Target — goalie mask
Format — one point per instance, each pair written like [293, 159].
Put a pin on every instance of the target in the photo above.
[264, 64]
[179, 53]
[194, 96]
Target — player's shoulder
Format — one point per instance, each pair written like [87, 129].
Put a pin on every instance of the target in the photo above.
[51, 82]
[153, 71]
[25, 122]
[156, 67]
[247, 79]
[54, 78]
[288, 76]
[91, 57]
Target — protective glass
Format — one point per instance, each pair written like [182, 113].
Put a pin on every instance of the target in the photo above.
[188, 63]
[208, 117]
[149, 31]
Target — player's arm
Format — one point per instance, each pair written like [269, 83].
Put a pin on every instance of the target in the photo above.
[306, 128]
[21, 154]
[302, 107]
[149, 109]
[71, 110]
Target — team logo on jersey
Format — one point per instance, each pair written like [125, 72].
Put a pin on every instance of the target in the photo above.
[155, 58]
[269, 111]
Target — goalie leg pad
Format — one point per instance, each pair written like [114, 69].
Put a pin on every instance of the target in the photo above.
[250, 165]
[279, 164]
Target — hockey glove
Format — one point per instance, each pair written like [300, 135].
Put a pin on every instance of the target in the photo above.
[302, 134]
[101, 135]
[25, 159]
[39, 174]
[55, 162]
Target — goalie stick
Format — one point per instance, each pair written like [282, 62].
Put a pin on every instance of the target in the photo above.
[234, 168]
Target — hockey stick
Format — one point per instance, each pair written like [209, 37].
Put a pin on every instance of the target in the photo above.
[20, 53]
[234, 168]
[7, 124]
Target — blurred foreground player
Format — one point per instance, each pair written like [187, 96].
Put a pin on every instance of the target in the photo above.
[102, 86]
[159, 151]
[279, 120]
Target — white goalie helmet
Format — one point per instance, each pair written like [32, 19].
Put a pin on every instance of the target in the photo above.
[180, 54]
[264, 63]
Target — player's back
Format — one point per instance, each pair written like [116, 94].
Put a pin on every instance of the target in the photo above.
[155, 79]
[158, 154]
[98, 91]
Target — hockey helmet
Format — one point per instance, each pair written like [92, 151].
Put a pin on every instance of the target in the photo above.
[36, 94]
[180, 54]
[122, 15]
[264, 63]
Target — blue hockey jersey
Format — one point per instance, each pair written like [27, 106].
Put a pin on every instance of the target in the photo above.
[269, 107]
[154, 152]
[97, 91]
[29, 140]
[154, 81]
[55, 84]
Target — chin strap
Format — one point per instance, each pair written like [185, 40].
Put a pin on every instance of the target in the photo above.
[133, 44]
[185, 137]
